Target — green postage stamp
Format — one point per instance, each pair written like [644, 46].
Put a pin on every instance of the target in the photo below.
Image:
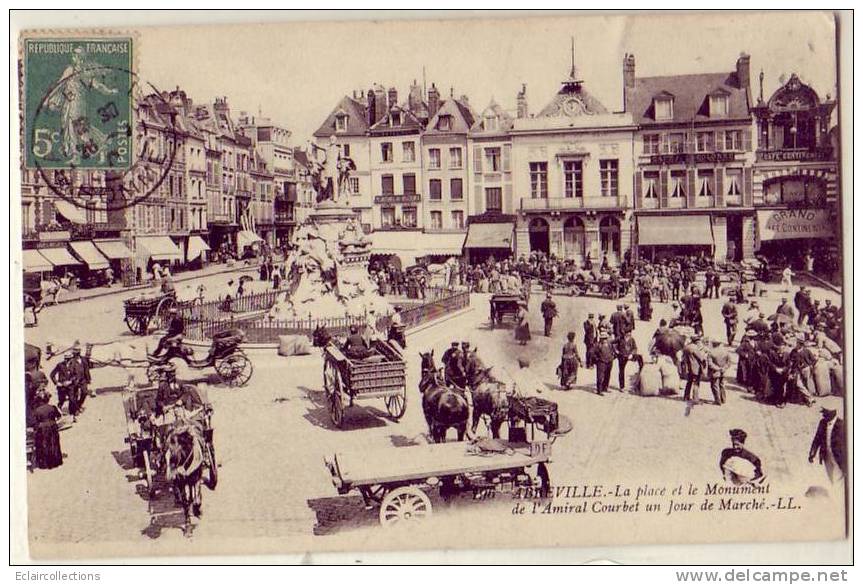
[78, 103]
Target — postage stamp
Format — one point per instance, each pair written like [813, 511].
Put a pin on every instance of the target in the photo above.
[78, 103]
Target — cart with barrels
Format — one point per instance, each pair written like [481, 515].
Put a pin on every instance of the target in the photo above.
[379, 375]
[145, 310]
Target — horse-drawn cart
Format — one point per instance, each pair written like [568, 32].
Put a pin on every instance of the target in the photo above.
[398, 480]
[502, 305]
[380, 375]
[147, 432]
[140, 311]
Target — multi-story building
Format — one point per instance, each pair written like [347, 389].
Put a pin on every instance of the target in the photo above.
[349, 123]
[261, 213]
[444, 144]
[795, 185]
[693, 181]
[396, 161]
[571, 165]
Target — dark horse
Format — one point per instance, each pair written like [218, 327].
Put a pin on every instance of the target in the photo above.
[490, 398]
[443, 407]
[184, 459]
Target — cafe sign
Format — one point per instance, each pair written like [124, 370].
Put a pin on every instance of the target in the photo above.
[787, 224]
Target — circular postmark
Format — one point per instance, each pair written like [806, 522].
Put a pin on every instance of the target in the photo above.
[84, 128]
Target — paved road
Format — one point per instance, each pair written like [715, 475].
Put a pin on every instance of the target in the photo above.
[274, 494]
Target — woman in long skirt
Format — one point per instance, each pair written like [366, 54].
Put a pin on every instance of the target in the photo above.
[569, 362]
[46, 436]
[522, 329]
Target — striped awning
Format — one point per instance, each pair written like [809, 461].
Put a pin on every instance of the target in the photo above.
[35, 262]
[87, 252]
[59, 257]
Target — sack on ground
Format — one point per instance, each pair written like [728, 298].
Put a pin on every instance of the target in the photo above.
[294, 345]
[649, 380]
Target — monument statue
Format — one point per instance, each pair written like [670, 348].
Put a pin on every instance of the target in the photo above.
[330, 177]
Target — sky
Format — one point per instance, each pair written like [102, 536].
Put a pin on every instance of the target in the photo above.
[295, 73]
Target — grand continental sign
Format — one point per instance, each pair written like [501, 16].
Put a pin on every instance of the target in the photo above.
[688, 159]
[786, 224]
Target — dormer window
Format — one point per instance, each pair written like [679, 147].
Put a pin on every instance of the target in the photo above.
[718, 105]
[395, 119]
[341, 123]
[490, 123]
[444, 123]
[663, 107]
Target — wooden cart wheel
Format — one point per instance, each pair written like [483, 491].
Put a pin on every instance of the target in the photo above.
[148, 473]
[235, 369]
[212, 467]
[397, 404]
[137, 324]
[333, 388]
[162, 309]
[404, 504]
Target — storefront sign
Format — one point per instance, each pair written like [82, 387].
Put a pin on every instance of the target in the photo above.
[684, 159]
[781, 155]
[786, 224]
[392, 199]
[56, 236]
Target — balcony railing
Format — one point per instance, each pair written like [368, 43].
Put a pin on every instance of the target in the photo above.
[564, 203]
[391, 199]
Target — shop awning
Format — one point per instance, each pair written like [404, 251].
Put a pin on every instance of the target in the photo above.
[59, 256]
[441, 244]
[35, 262]
[394, 242]
[87, 252]
[489, 235]
[247, 238]
[197, 246]
[71, 212]
[680, 230]
[787, 224]
[158, 248]
[113, 249]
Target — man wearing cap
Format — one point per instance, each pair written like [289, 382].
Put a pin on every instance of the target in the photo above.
[694, 362]
[618, 322]
[829, 445]
[785, 309]
[729, 315]
[590, 334]
[718, 361]
[803, 303]
[629, 319]
[549, 312]
[454, 370]
[447, 355]
[603, 357]
[176, 330]
[82, 365]
[737, 464]
[65, 378]
[759, 325]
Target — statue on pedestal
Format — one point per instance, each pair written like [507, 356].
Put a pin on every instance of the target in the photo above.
[330, 177]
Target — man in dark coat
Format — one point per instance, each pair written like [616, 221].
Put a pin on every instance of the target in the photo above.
[829, 445]
[65, 378]
[618, 322]
[626, 350]
[785, 309]
[729, 315]
[603, 357]
[590, 335]
[549, 312]
[694, 365]
[718, 361]
[803, 303]
[447, 355]
[454, 370]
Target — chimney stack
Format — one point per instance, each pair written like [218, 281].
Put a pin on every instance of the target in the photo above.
[392, 98]
[434, 100]
[743, 71]
[628, 71]
[521, 102]
[380, 102]
[370, 107]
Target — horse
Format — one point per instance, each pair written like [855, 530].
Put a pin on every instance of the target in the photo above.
[443, 407]
[490, 398]
[126, 355]
[184, 465]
